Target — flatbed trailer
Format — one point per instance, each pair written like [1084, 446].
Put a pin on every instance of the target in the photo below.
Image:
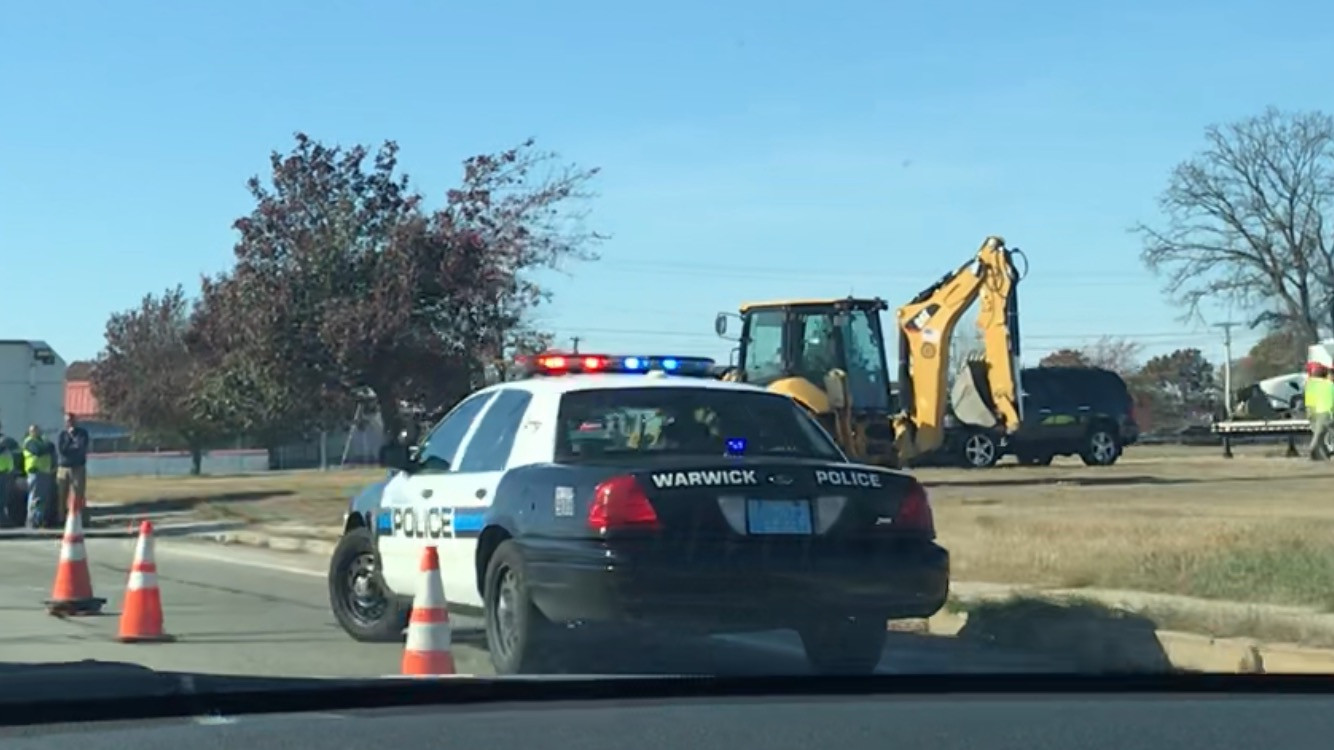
[1290, 428]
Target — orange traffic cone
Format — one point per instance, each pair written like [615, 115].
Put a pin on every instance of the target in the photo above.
[141, 616]
[427, 651]
[72, 592]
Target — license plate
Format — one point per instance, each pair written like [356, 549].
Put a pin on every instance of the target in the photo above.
[778, 516]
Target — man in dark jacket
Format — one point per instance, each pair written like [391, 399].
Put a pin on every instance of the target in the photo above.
[13, 505]
[72, 469]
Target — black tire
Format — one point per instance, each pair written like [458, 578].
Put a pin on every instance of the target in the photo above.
[849, 646]
[521, 639]
[979, 450]
[1101, 447]
[362, 604]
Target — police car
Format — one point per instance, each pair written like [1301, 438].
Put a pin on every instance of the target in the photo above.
[610, 491]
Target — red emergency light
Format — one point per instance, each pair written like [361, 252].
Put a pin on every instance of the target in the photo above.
[569, 364]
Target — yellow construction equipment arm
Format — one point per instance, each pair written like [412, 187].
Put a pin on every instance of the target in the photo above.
[926, 327]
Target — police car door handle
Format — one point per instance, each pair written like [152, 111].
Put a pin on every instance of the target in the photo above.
[481, 493]
[427, 492]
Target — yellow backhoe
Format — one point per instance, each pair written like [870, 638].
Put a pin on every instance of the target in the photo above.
[829, 355]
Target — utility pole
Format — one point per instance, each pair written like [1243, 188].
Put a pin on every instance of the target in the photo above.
[574, 340]
[1227, 364]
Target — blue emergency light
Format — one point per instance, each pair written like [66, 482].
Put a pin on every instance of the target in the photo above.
[570, 364]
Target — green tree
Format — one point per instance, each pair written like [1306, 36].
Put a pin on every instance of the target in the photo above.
[1180, 386]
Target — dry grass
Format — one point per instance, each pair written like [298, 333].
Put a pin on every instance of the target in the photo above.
[1174, 520]
[1181, 521]
[314, 497]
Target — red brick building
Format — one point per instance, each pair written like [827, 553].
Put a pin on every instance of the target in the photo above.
[79, 398]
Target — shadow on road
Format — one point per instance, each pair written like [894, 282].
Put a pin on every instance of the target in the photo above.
[1087, 635]
[179, 504]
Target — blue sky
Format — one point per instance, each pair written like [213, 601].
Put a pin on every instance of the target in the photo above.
[750, 150]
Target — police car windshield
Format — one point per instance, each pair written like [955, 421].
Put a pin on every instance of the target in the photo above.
[600, 423]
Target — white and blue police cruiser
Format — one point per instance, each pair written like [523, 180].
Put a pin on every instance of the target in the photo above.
[638, 490]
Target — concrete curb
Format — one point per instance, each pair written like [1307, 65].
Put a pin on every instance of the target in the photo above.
[262, 540]
[113, 532]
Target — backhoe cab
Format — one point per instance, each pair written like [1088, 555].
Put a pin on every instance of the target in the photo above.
[829, 355]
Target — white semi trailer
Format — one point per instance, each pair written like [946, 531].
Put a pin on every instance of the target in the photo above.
[32, 387]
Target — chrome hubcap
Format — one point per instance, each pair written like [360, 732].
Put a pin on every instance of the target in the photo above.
[979, 450]
[507, 613]
[365, 600]
[1104, 448]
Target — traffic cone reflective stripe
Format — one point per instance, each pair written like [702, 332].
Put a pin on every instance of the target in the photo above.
[427, 651]
[141, 617]
[72, 591]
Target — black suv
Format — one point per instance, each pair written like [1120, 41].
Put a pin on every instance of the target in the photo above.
[1068, 411]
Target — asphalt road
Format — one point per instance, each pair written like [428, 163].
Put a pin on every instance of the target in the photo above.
[238, 610]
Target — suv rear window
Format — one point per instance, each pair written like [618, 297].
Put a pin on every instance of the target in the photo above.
[598, 423]
[1080, 385]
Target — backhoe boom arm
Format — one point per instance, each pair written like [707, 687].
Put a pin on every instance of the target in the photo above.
[926, 328]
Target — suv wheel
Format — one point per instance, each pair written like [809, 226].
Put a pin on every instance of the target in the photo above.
[979, 450]
[1101, 448]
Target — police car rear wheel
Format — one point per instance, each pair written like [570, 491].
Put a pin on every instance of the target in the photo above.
[849, 646]
[360, 602]
[519, 637]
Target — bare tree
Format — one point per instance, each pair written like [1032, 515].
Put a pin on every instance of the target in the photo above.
[1116, 354]
[1243, 221]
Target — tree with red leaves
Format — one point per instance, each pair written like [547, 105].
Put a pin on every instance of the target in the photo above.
[1065, 358]
[345, 282]
[148, 377]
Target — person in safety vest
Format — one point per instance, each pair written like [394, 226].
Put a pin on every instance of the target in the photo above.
[39, 464]
[1319, 410]
[11, 499]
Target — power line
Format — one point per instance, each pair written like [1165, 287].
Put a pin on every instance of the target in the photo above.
[1099, 279]
[1132, 336]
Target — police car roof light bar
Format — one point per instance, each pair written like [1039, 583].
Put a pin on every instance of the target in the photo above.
[569, 364]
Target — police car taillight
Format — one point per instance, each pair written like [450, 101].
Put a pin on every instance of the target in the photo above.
[565, 364]
[620, 503]
[915, 511]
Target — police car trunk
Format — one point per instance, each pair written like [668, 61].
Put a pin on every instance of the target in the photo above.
[716, 500]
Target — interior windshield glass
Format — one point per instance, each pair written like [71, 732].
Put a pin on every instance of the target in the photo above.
[684, 421]
[867, 381]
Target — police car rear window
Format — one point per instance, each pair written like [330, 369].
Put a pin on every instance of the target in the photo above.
[600, 423]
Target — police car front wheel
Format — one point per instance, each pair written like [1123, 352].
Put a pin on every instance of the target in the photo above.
[364, 608]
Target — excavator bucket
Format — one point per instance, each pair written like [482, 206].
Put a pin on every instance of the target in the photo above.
[1252, 403]
[970, 397]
